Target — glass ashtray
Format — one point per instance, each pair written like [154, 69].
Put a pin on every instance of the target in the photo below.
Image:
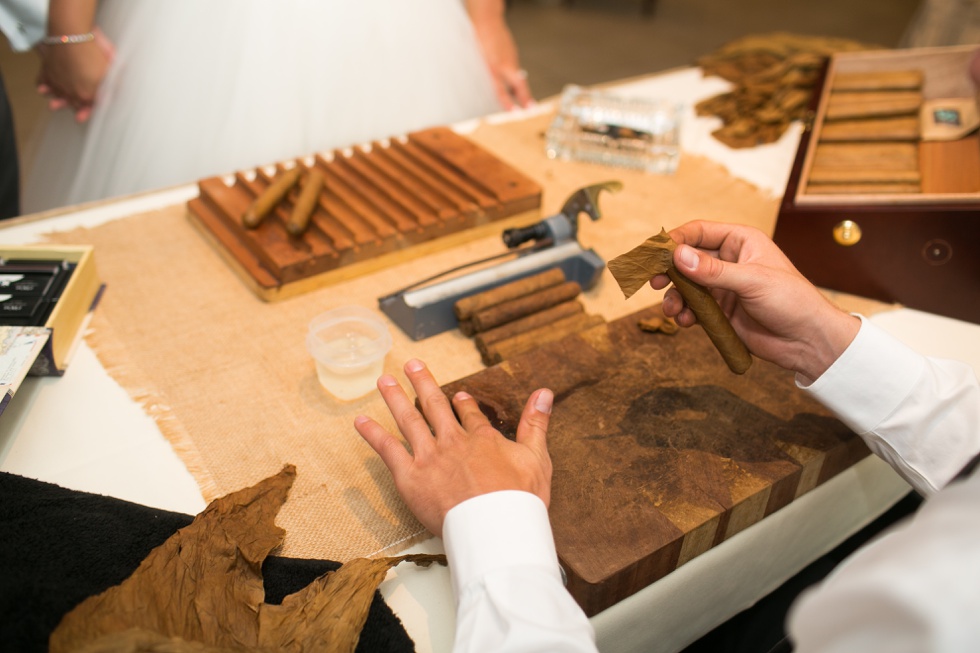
[617, 131]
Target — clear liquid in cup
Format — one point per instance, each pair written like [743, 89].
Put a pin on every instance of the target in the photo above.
[349, 346]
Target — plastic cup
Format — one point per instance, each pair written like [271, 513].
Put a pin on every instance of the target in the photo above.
[349, 345]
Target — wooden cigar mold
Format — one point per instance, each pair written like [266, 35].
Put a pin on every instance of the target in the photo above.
[523, 314]
[659, 451]
[882, 202]
[377, 205]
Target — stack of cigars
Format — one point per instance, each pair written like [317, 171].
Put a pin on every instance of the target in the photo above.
[869, 140]
[523, 314]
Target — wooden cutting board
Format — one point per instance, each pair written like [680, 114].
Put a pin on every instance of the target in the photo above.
[659, 451]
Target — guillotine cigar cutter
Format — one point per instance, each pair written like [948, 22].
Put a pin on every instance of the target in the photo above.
[425, 308]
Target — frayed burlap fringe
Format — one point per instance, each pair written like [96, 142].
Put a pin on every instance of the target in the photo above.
[110, 351]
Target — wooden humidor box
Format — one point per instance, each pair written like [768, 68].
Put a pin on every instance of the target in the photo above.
[920, 248]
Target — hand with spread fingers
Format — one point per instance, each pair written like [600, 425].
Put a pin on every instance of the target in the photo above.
[457, 458]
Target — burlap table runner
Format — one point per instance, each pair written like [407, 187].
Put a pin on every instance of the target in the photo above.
[227, 376]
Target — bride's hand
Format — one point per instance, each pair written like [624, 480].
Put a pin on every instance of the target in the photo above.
[72, 73]
[500, 53]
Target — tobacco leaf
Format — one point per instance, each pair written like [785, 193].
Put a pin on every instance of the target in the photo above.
[202, 591]
[658, 325]
[635, 268]
[774, 77]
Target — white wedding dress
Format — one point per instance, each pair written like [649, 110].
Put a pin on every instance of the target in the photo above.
[206, 87]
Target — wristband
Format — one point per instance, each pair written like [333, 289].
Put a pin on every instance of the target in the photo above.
[64, 39]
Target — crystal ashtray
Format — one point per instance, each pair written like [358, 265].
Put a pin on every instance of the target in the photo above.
[618, 131]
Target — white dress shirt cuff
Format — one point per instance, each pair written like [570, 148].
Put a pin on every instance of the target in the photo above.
[869, 380]
[919, 414]
[479, 536]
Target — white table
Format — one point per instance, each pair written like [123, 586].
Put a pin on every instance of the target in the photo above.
[82, 431]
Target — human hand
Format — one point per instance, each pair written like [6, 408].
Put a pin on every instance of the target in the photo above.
[71, 74]
[776, 311]
[464, 457]
[500, 53]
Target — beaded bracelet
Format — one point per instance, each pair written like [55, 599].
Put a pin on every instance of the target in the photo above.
[64, 39]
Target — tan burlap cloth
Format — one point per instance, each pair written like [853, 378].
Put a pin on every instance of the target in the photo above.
[227, 376]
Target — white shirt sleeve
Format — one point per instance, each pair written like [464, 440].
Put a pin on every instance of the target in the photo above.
[921, 415]
[506, 579]
[23, 22]
[917, 587]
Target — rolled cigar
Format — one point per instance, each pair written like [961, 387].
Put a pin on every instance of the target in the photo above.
[532, 321]
[884, 129]
[714, 322]
[522, 342]
[523, 306]
[466, 328]
[891, 80]
[305, 204]
[468, 306]
[654, 256]
[872, 104]
[271, 196]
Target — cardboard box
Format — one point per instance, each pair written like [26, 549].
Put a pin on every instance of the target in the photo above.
[920, 248]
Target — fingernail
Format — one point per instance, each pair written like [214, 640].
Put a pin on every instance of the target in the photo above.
[360, 419]
[414, 365]
[688, 257]
[462, 396]
[543, 402]
[387, 380]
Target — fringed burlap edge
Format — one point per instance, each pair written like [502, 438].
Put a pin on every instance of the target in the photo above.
[110, 352]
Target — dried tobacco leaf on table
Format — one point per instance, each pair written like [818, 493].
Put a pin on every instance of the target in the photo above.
[774, 75]
[658, 325]
[202, 590]
[655, 256]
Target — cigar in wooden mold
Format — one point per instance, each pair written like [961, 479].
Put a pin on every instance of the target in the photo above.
[466, 307]
[503, 349]
[270, 197]
[306, 203]
[524, 306]
[654, 256]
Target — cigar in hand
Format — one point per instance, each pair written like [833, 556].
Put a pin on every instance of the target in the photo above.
[654, 256]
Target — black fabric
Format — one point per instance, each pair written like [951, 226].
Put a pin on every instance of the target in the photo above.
[59, 546]
[9, 167]
[761, 628]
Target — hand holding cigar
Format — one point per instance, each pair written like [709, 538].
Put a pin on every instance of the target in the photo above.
[654, 256]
